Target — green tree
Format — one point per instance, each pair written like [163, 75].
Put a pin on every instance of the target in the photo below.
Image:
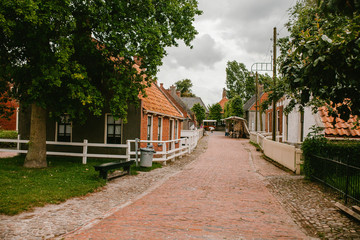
[239, 81]
[320, 61]
[184, 86]
[215, 112]
[227, 110]
[199, 112]
[236, 106]
[77, 57]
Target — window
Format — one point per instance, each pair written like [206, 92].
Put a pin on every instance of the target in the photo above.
[176, 129]
[113, 130]
[64, 129]
[149, 128]
[159, 129]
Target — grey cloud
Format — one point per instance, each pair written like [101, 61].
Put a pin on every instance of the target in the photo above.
[204, 53]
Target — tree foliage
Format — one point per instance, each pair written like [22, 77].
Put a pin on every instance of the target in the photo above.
[184, 86]
[234, 107]
[320, 61]
[215, 112]
[199, 112]
[77, 57]
[239, 81]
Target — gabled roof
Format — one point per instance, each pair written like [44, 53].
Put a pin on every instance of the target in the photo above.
[341, 128]
[177, 101]
[250, 104]
[157, 102]
[191, 101]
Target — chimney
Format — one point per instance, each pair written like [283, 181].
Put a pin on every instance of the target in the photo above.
[178, 93]
[172, 90]
[224, 93]
[161, 85]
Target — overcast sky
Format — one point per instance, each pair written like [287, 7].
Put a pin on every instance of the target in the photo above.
[228, 30]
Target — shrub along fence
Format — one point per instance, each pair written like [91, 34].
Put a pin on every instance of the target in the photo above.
[335, 163]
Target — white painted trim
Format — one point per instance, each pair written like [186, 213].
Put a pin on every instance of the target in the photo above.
[160, 119]
[151, 126]
[105, 129]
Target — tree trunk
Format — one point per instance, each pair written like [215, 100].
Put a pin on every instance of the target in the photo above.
[36, 156]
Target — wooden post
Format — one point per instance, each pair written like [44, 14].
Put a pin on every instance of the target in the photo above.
[85, 148]
[128, 150]
[256, 102]
[18, 142]
[136, 152]
[274, 79]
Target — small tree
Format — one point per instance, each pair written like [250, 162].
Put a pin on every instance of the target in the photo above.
[215, 112]
[236, 107]
[184, 86]
[239, 81]
[199, 113]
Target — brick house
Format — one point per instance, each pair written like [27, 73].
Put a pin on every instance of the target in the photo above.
[250, 112]
[223, 100]
[175, 97]
[11, 123]
[156, 118]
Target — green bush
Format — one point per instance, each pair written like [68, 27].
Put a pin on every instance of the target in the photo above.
[8, 134]
[346, 151]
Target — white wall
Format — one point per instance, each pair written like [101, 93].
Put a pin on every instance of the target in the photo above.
[294, 124]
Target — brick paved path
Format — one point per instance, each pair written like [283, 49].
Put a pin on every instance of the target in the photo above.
[218, 196]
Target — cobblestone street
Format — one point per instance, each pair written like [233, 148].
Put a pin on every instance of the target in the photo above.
[223, 190]
[218, 196]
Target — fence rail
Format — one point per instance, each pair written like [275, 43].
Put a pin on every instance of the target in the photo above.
[284, 154]
[340, 176]
[169, 149]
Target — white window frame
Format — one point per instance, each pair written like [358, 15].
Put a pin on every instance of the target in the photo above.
[160, 129]
[57, 127]
[151, 129]
[105, 129]
[176, 129]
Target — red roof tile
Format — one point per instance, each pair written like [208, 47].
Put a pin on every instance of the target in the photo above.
[158, 103]
[341, 128]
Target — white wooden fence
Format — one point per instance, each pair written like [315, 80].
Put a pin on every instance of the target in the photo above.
[284, 154]
[170, 149]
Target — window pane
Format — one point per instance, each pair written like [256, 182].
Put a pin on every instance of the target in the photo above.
[111, 129]
[110, 119]
[117, 129]
[68, 129]
[61, 129]
[118, 121]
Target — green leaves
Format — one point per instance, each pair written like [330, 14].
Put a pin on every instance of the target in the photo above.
[199, 112]
[215, 112]
[321, 56]
[239, 81]
[79, 56]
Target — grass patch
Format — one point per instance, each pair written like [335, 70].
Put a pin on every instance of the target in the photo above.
[21, 189]
[257, 146]
[134, 170]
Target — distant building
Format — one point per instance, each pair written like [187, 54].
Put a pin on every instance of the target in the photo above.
[224, 100]
[189, 117]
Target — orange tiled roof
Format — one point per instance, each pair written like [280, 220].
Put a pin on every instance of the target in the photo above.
[157, 102]
[223, 101]
[341, 129]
